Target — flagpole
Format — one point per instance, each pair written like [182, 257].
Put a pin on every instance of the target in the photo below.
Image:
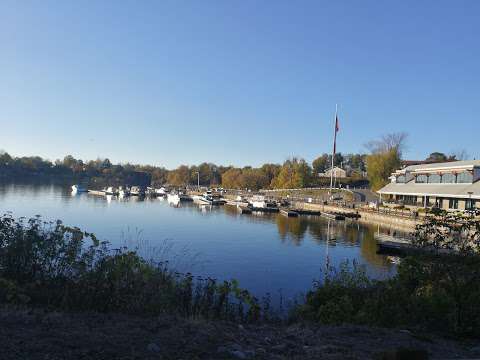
[333, 150]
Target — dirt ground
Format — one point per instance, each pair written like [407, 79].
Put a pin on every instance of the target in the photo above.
[36, 335]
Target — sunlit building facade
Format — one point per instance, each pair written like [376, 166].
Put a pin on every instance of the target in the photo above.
[451, 185]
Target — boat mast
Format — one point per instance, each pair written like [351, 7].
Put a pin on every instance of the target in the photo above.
[334, 146]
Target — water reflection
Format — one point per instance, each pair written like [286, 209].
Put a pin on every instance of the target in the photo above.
[264, 251]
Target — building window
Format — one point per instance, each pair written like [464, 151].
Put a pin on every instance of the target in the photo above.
[401, 179]
[439, 203]
[470, 204]
[409, 200]
[453, 203]
[448, 178]
[434, 179]
[421, 179]
[465, 177]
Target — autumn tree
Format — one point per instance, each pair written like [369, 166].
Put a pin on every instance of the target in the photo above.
[295, 173]
[179, 176]
[385, 158]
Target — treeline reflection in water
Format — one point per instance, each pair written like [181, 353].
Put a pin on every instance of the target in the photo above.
[346, 233]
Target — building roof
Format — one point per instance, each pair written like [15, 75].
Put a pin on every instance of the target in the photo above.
[440, 190]
[449, 165]
[445, 165]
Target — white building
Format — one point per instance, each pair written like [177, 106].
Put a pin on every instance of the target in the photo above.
[449, 185]
[338, 172]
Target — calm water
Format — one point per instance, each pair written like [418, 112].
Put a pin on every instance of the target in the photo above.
[265, 252]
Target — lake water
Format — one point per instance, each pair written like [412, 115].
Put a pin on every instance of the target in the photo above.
[265, 252]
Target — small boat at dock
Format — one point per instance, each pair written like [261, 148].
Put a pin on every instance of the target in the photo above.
[110, 191]
[161, 191]
[210, 198]
[259, 201]
[137, 191]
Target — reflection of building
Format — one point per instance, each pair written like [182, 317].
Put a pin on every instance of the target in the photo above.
[449, 185]
[338, 172]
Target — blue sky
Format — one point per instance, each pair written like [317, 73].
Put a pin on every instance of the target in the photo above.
[236, 82]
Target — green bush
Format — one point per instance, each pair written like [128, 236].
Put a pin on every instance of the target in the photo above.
[430, 292]
[56, 266]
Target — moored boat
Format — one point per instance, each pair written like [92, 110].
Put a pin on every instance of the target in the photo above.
[110, 190]
[161, 191]
[260, 202]
[137, 191]
[211, 198]
[123, 192]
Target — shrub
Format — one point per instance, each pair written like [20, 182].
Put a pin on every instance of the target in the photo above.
[431, 292]
[53, 265]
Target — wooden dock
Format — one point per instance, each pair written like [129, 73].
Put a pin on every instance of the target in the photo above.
[288, 213]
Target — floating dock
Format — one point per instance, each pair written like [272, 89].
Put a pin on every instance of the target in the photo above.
[307, 212]
[244, 210]
[236, 203]
[96, 192]
[333, 216]
[388, 244]
[265, 209]
[288, 213]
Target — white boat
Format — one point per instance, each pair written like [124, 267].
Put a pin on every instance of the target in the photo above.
[110, 191]
[137, 191]
[150, 191]
[210, 198]
[161, 192]
[259, 202]
[78, 188]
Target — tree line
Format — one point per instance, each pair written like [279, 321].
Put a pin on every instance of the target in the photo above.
[384, 156]
[293, 173]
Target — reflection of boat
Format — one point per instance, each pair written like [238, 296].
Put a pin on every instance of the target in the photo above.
[123, 192]
[173, 197]
[78, 188]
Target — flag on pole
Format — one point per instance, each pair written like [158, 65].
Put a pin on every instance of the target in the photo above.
[337, 128]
